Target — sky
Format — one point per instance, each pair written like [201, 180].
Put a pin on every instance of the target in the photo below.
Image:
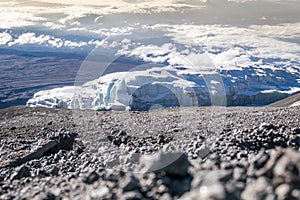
[232, 32]
[58, 14]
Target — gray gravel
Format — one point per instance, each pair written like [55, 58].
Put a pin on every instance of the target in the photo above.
[174, 153]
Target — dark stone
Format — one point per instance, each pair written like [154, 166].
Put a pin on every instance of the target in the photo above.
[42, 173]
[129, 184]
[203, 151]
[54, 171]
[261, 160]
[36, 154]
[117, 142]
[110, 138]
[296, 131]
[121, 133]
[268, 167]
[161, 139]
[21, 172]
[65, 140]
[91, 178]
[241, 155]
[45, 196]
[178, 186]
[110, 176]
[13, 128]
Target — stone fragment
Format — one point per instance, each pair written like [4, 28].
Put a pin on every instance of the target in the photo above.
[99, 193]
[130, 183]
[282, 191]
[174, 164]
[259, 189]
[202, 151]
[287, 168]
[134, 195]
[21, 172]
[91, 178]
[208, 177]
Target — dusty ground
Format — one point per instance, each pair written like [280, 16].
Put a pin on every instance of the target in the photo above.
[179, 153]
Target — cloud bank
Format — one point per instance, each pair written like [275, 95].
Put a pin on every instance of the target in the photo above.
[129, 27]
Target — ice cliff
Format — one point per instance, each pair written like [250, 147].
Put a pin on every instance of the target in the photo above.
[171, 86]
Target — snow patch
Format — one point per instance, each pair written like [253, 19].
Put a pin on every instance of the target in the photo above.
[297, 103]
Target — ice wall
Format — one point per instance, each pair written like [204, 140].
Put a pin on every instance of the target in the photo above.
[169, 87]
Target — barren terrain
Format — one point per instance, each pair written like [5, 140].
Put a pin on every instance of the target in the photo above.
[174, 153]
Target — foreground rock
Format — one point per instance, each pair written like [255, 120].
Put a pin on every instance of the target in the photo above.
[51, 144]
[45, 155]
[173, 164]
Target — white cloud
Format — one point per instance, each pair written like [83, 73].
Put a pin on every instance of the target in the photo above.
[74, 44]
[203, 60]
[233, 59]
[30, 38]
[239, 45]
[5, 38]
[228, 46]
[11, 17]
[104, 3]
[278, 31]
[56, 42]
[240, 1]
[47, 40]
[65, 14]
[113, 31]
[150, 53]
[53, 25]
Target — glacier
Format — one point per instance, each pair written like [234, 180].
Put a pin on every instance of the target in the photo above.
[136, 90]
[174, 86]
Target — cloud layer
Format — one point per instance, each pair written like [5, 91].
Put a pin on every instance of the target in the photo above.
[133, 28]
[71, 13]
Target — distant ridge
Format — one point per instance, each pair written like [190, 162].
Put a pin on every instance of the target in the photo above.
[287, 101]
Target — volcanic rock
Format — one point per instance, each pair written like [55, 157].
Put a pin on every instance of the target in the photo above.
[173, 164]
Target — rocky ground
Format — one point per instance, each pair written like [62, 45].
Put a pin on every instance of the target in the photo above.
[178, 153]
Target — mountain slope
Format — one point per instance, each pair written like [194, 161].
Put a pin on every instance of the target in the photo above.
[293, 100]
